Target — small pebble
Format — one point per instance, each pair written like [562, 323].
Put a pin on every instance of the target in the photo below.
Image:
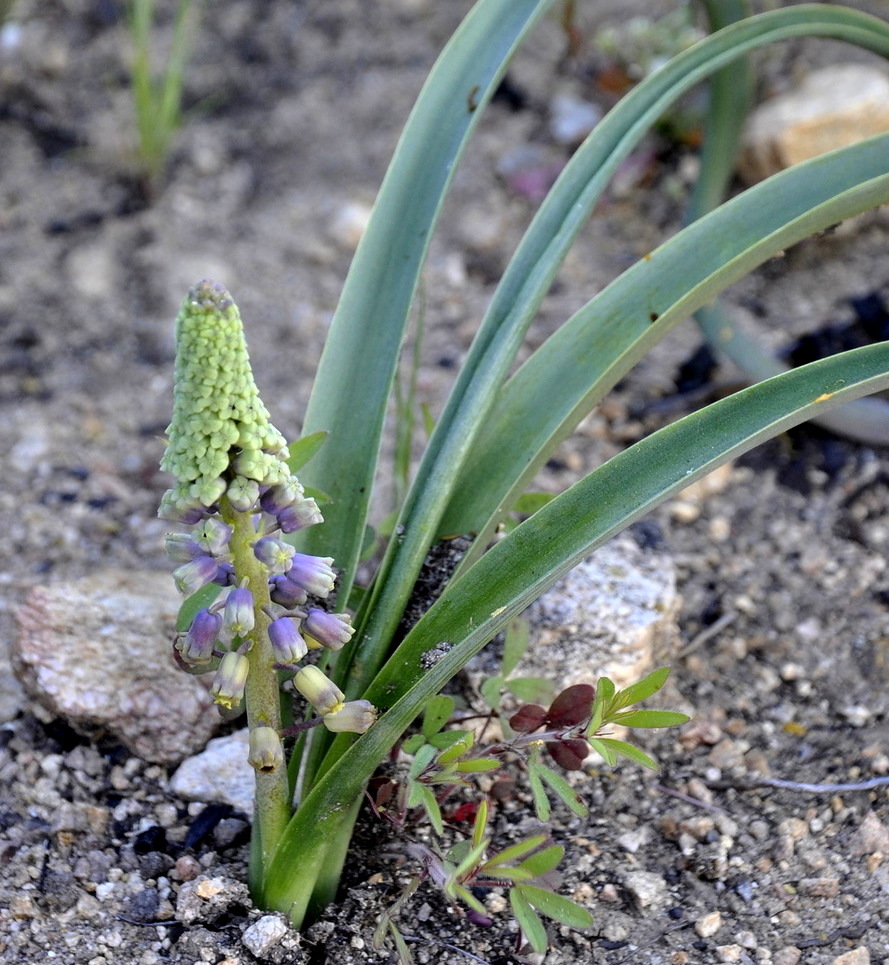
[495, 903]
[720, 529]
[186, 868]
[858, 956]
[729, 953]
[646, 887]
[794, 828]
[708, 925]
[571, 118]
[264, 933]
[789, 955]
[609, 893]
[348, 224]
[857, 715]
[632, 841]
[699, 826]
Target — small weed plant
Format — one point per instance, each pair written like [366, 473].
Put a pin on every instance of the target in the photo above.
[330, 692]
[157, 96]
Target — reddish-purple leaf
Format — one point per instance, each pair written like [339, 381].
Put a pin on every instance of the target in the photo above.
[381, 790]
[569, 754]
[527, 718]
[571, 706]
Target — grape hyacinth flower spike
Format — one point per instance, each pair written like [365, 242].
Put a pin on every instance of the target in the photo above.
[236, 493]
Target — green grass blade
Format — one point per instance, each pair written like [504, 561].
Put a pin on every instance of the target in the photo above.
[569, 374]
[528, 561]
[171, 99]
[730, 96]
[357, 367]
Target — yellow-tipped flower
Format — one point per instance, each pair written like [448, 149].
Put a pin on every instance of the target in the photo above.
[230, 680]
[321, 693]
[354, 717]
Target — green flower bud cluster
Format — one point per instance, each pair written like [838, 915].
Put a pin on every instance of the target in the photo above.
[221, 434]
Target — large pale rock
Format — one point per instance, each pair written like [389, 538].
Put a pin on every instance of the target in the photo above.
[97, 652]
[613, 615]
[831, 108]
[219, 774]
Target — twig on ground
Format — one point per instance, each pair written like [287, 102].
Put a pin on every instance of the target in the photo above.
[688, 798]
[706, 634]
[746, 783]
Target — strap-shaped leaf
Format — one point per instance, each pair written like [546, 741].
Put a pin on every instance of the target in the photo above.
[357, 367]
[524, 284]
[569, 374]
[528, 561]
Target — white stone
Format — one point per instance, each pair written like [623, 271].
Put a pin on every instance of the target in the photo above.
[220, 774]
[348, 224]
[92, 271]
[831, 108]
[614, 614]
[97, 652]
[646, 887]
[729, 953]
[264, 933]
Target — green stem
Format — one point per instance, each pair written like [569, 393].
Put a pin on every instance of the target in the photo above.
[262, 698]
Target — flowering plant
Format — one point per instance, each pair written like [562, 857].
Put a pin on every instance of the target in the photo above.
[254, 524]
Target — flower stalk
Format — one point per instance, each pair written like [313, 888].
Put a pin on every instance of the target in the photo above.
[261, 694]
[235, 489]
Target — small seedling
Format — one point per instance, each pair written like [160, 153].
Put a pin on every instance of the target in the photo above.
[157, 97]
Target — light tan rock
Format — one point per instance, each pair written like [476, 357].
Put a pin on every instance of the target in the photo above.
[831, 108]
[872, 836]
[97, 652]
[708, 925]
[857, 956]
[614, 614]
